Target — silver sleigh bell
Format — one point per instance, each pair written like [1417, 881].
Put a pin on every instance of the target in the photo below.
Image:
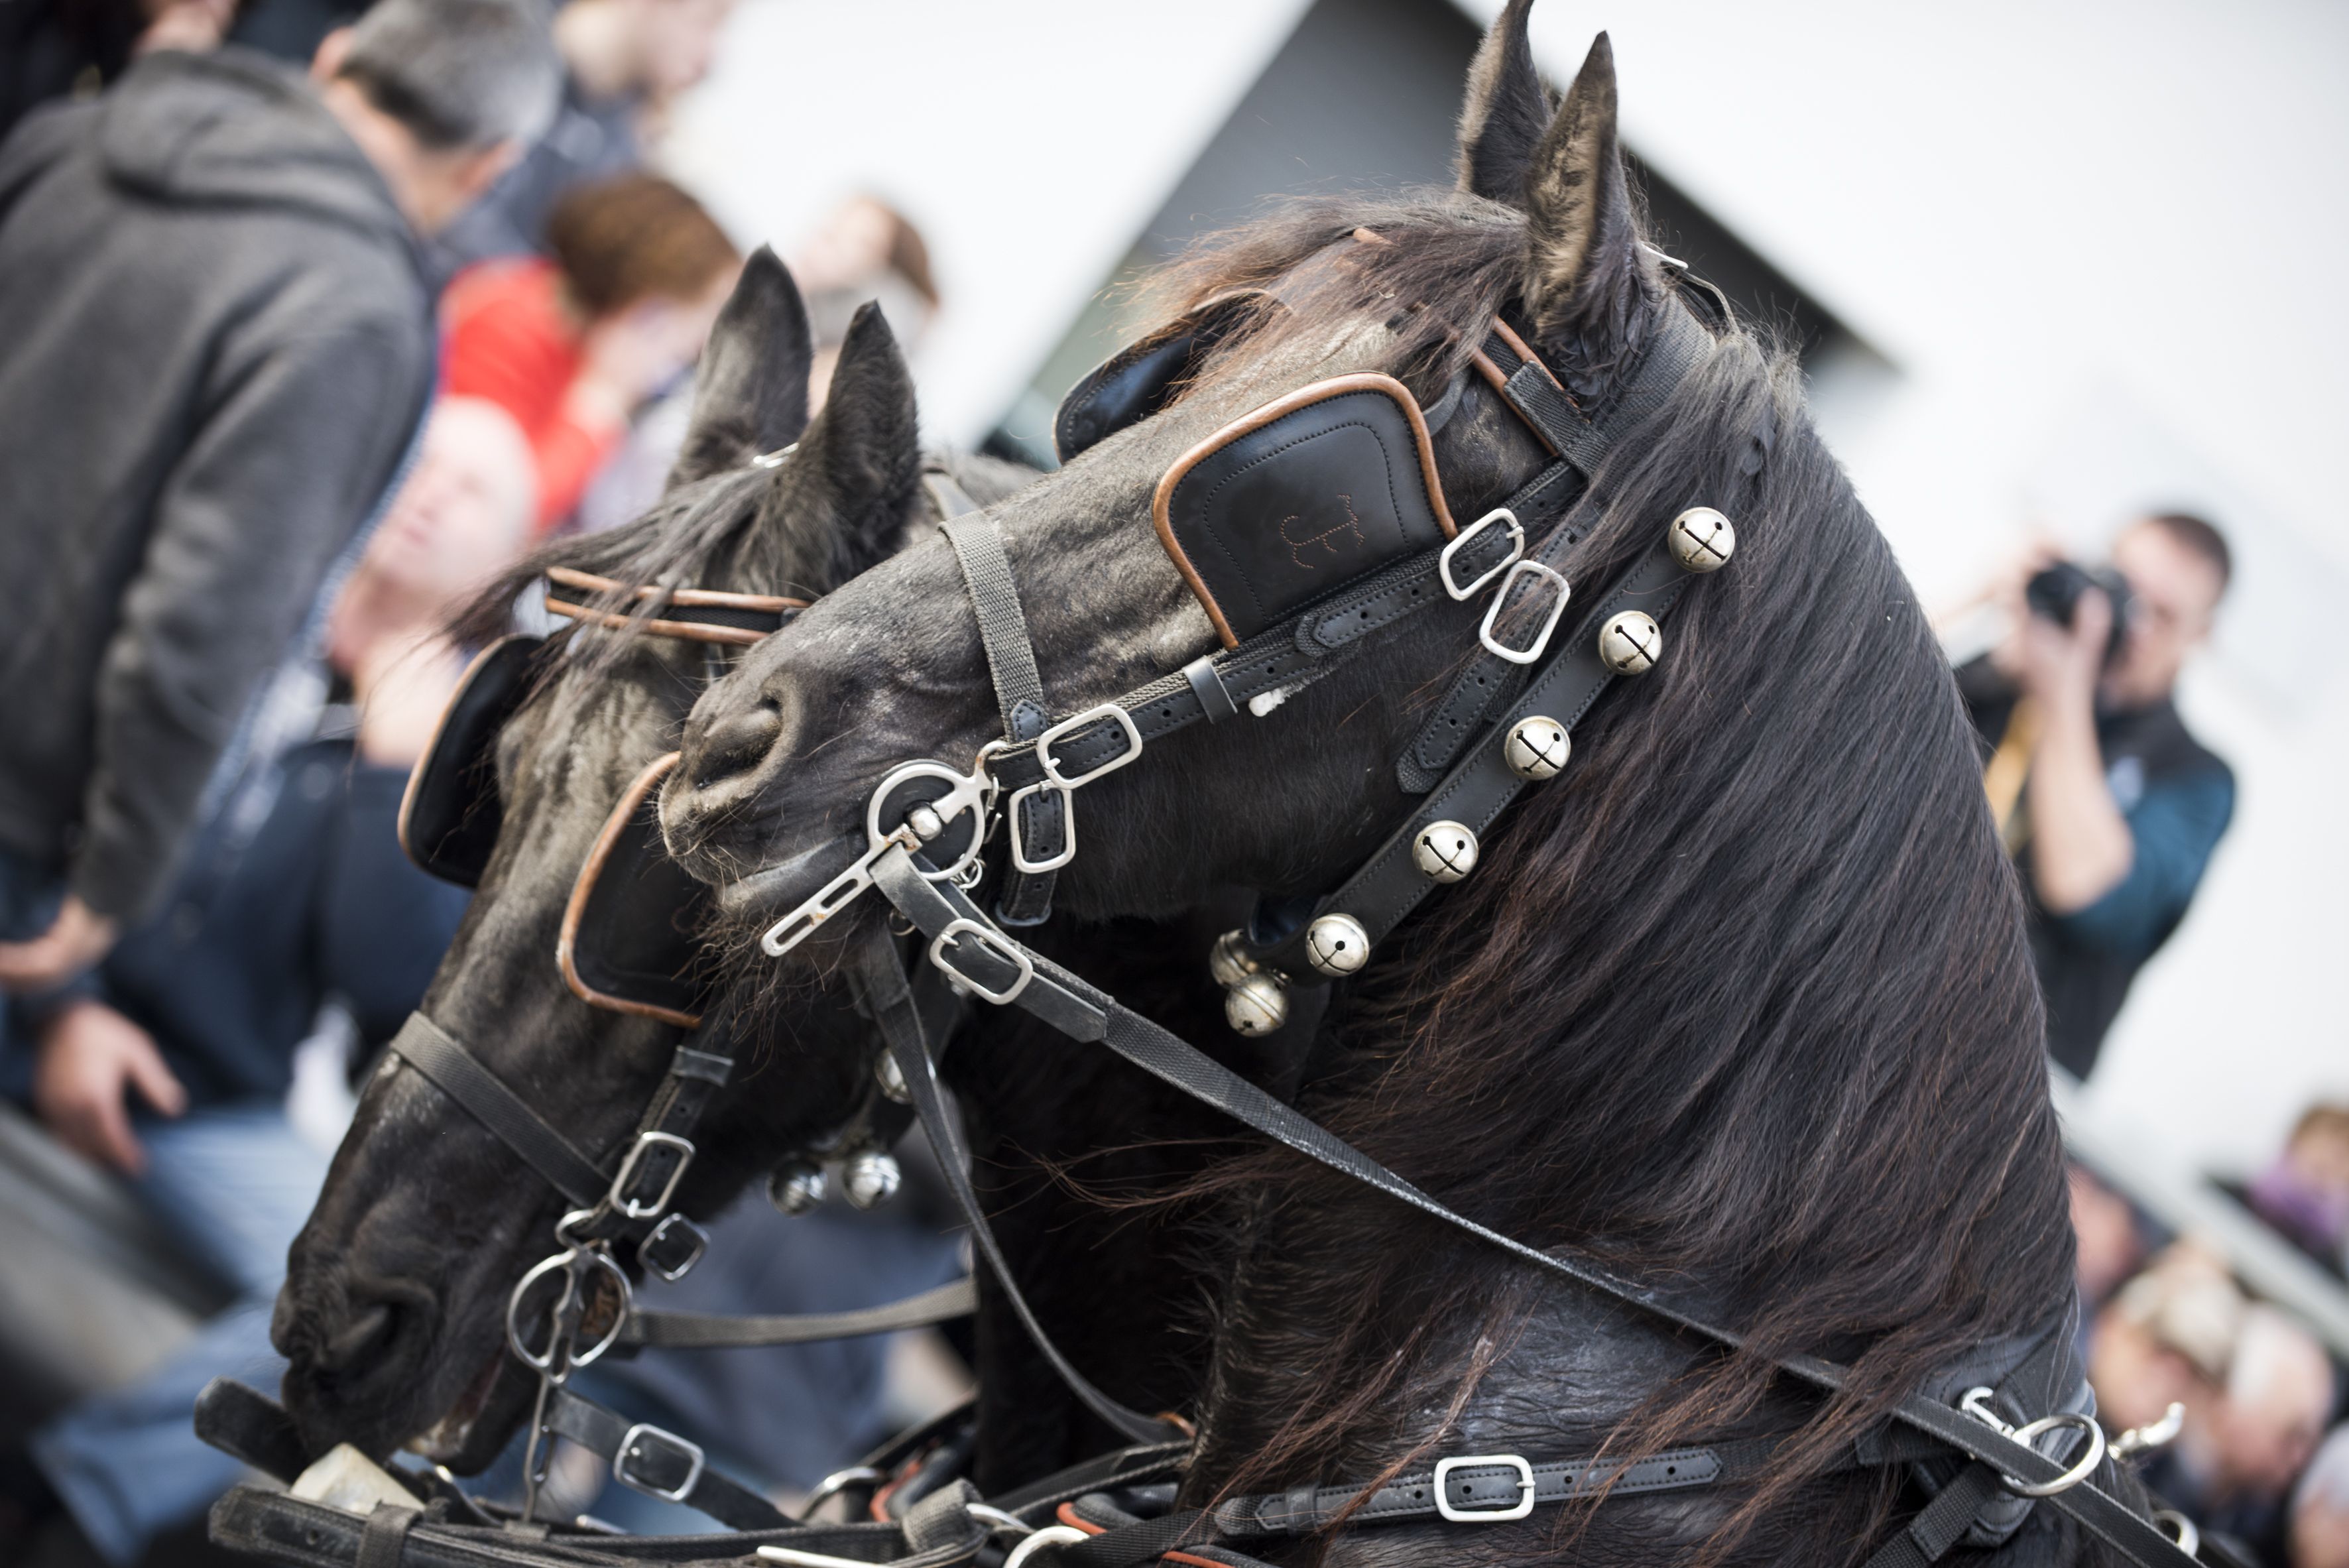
[1630, 642]
[1255, 1000]
[796, 1187]
[1444, 851]
[1337, 945]
[870, 1178]
[1536, 747]
[1702, 539]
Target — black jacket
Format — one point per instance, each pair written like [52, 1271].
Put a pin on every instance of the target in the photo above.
[2178, 797]
[215, 344]
[299, 894]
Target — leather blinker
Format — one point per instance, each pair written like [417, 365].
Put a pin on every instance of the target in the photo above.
[1306, 494]
[450, 816]
[1138, 381]
[631, 936]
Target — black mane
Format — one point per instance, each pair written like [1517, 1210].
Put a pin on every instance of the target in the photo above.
[1742, 1000]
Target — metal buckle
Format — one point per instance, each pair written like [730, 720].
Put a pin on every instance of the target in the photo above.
[646, 1142]
[1019, 860]
[1045, 759]
[1522, 1507]
[1541, 638]
[644, 1432]
[1500, 514]
[1975, 1402]
[674, 1232]
[1000, 946]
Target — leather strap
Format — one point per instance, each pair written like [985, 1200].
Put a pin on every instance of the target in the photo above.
[459, 1075]
[655, 1455]
[1582, 444]
[384, 1542]
[701, 1331]
[879, 978]
[1027, 896]
[998, 961]
[1390, 885]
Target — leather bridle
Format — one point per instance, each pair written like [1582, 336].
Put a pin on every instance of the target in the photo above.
[1997, 1441]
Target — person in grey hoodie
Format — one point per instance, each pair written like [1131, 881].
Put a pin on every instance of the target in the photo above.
[218, 346]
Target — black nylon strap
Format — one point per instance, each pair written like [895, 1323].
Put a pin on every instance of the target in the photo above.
[1942, 1522]
[1025, 898]
[459, 1075]
[879, 982]
[603, 1432]
[931, 906]
[384, 1542]
[1002, 628]
[701, 1331]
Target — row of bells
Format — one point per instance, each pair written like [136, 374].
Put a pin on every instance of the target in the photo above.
[1255, 999]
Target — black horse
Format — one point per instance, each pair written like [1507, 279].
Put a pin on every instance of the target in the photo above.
[1738, 1006]
[392, 1312]
[391, 1316]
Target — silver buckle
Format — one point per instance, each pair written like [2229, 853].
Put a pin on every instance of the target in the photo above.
[1523, 1506]
[649, 1250]
[1499, 514]
[1019, 860]
[1046, 760]
[1002, 948]
[646, 1141]
[623, 1457]
[1541, 638]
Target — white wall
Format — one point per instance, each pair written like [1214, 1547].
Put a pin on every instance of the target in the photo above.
[2101, 241]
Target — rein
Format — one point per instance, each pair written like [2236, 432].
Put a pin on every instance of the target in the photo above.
[1992, 1423]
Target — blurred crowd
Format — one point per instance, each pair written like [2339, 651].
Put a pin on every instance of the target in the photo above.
[321, 316]
[2260, 1453]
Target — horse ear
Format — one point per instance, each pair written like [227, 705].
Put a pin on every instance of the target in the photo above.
[750, 394]
[1505, 112]
[866, 442]
[1586, 274]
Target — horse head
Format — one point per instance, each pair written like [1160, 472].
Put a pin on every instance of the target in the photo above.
[1734, 997]
[392, 1312]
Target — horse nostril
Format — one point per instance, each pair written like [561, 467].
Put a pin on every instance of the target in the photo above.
[367, 1334]
[737, 745]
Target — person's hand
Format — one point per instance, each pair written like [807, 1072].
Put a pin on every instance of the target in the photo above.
[78, 938]
[2006, 591]
[2059, 665]
[91, 1058]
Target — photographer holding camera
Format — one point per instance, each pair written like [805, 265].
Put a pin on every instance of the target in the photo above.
[2110, 807]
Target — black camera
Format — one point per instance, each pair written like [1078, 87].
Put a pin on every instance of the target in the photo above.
[2053, 595]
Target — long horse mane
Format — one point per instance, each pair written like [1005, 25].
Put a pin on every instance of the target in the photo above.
[1741, 1004]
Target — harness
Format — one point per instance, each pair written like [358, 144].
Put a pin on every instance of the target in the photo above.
[1988, 1440]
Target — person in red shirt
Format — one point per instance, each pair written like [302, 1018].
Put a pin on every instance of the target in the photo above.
[574, 345]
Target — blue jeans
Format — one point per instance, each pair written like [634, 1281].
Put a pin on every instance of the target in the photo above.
[235, 1182]
[29, 903]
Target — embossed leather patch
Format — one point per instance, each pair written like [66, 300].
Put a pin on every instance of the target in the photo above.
[1302, 497]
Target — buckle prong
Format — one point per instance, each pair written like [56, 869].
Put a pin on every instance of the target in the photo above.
[1010, 953]
[1507, 520]
[623, 1472]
